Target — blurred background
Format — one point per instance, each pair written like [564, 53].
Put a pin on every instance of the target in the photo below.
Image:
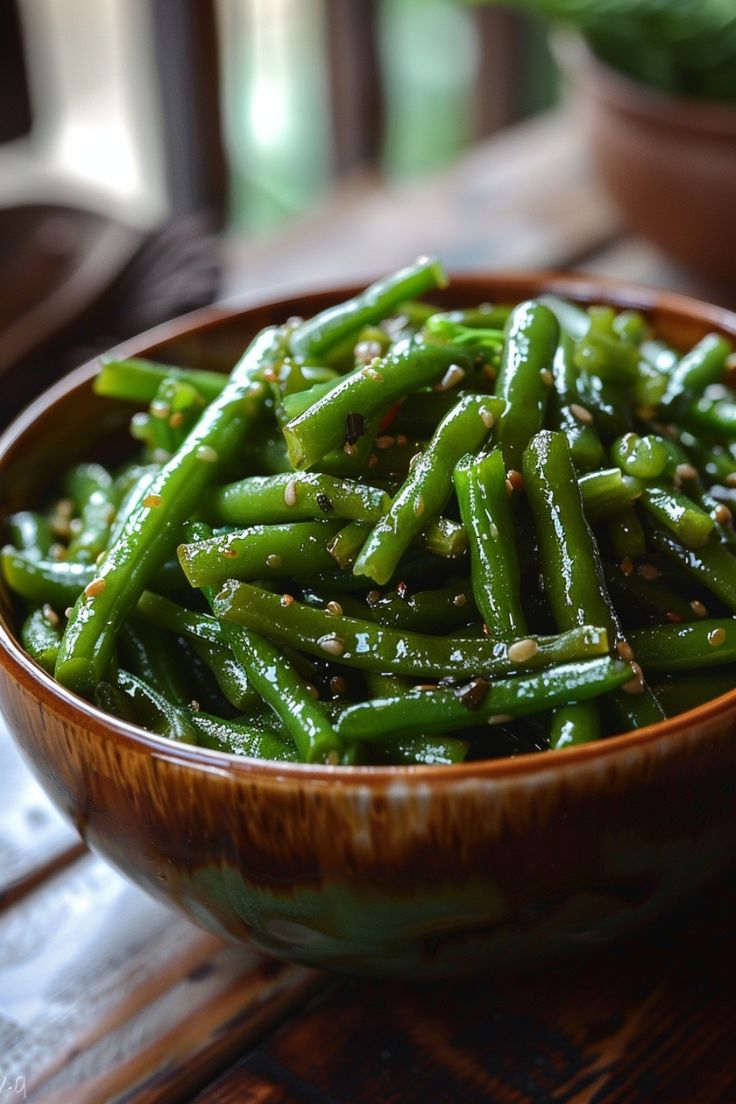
[156, 155]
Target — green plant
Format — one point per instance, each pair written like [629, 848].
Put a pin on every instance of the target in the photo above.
[682, 46]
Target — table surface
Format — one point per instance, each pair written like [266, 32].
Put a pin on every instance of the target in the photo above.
[107, 997]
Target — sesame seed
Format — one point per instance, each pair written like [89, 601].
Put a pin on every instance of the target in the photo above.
[332, 759]
[110, 514]
[716, 637]
[290, 493]
[372, 597]
[64, 508]
[94, 588]
[698, 609]
[686, 471]
[489, 372]
[523, 650]
[625, 651]
[487, 418]
[348, 449]
[722, 514]
[401, 439]
[176, 419]
[581, 413]
[515, 478]
[287, 599]
[50, 614]
[274, 560]
[57, 552]
[499, 718]
[426, 686]
[385, 441]
[338, 685]
[312, 690]
[270, 376]
[370, 373]
[493, 530]
[451, 378]
[366, 351]
[331, 644]
[160, 409]
[636, 684]
[546, 376]
[68, 612]
[160, 456]
[229, 553]
[419, 506]
[673, 618]
[460, 600]
[194, 705]
[626, 566]
[648, 572]
[731, 479]
[152, 500]
[372, 460]
[207, 454]
[334, 608]
[75, 527]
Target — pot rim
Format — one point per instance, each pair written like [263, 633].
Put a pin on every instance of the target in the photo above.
[23, 670]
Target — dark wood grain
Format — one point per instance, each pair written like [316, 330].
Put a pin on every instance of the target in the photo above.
[649, 1020]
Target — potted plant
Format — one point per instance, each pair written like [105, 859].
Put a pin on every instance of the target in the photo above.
[659, 85]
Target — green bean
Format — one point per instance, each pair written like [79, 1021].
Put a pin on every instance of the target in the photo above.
[170, 615]
[649, 596]
[147, 653]
[683, 692]
[151, 532]
[585, 444]
[260, 551]
[480, 485]
[643, 457]
[484, 317]
[679, 514]
[572, 319]
[428, 751]
[631, 325]
[427, 487]
[131, 500]
[137, 380]
[428, 611]
[708, 643]
[444, 537]
[608, 491]
[625, 535]
[40, 635]
[362, 644]
[39, 581]
[602, 352]
[31, 533]
[531, 335]
[228, 674]
[439, 327]
[249, 740]
[347, 543]
[97, 512]
[713, 564]
[156, 712]
[571, 565]
[713, 416]
[703, 365]
[574, 724]
[367, 390]
[607, 404]
[322, 333]
[455, 710]
[268, 500]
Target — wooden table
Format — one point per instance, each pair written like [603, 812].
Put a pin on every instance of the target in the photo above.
[106, 997]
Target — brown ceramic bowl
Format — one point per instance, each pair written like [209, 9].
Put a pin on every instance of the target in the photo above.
[669, 162]
[411, 871]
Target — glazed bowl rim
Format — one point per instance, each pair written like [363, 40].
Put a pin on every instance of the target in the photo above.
[19, 665]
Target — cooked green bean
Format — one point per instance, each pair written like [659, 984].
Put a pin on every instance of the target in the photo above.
[371, 647]
[31, 533]
[427, 488]
[703, 365]
[267, 500]
[41, 636]
[684, 647]
[525, 376]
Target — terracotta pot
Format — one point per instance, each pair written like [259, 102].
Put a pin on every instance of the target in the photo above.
[419, 871]
[668, 161]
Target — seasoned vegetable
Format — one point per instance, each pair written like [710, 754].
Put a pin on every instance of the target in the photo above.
[399, 535]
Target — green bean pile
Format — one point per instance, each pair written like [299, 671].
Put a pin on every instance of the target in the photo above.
[397, 534]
